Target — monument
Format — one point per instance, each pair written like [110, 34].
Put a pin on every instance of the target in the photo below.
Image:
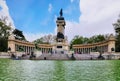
[60, 44]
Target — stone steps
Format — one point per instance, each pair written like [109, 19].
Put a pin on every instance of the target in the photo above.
[54, 57]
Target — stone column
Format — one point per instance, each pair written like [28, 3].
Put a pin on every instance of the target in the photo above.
[111, 44]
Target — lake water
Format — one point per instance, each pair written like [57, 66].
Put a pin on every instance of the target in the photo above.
[40, 70]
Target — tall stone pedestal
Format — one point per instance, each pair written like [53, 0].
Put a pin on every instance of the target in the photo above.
[60, 45]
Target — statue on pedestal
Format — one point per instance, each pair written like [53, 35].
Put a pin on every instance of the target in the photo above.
[61, 13]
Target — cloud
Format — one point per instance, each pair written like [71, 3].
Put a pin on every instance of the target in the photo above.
[4, 12]
[0, 8]
[96, 17]
[50, 7]
[98, 10]
[68, 10]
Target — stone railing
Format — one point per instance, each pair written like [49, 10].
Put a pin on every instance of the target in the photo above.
[4, 55]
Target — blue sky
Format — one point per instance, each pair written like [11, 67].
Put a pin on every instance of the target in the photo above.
[39, 15]
[37, 18]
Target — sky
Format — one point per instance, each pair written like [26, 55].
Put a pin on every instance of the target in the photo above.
[37, 18]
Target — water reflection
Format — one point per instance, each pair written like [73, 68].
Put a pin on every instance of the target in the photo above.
[27, 70]
[91, 71]
[59, 71]
[115, 70]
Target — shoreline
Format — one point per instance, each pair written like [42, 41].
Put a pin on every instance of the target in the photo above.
[65, 57]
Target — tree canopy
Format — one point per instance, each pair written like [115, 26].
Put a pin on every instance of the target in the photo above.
[117, 30]
[19, 34]
[84, 40]
[4, 30]
[4, 33]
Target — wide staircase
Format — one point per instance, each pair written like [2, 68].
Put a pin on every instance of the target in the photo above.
[83, 56]
[54, 57]
[67, 57]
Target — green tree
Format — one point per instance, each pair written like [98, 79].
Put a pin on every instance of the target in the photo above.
[84, 40]
[117, 30]
[77, 40]
[97, 38]
[4, 30]
[4, 33]
[38, 41]
[19, 34]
